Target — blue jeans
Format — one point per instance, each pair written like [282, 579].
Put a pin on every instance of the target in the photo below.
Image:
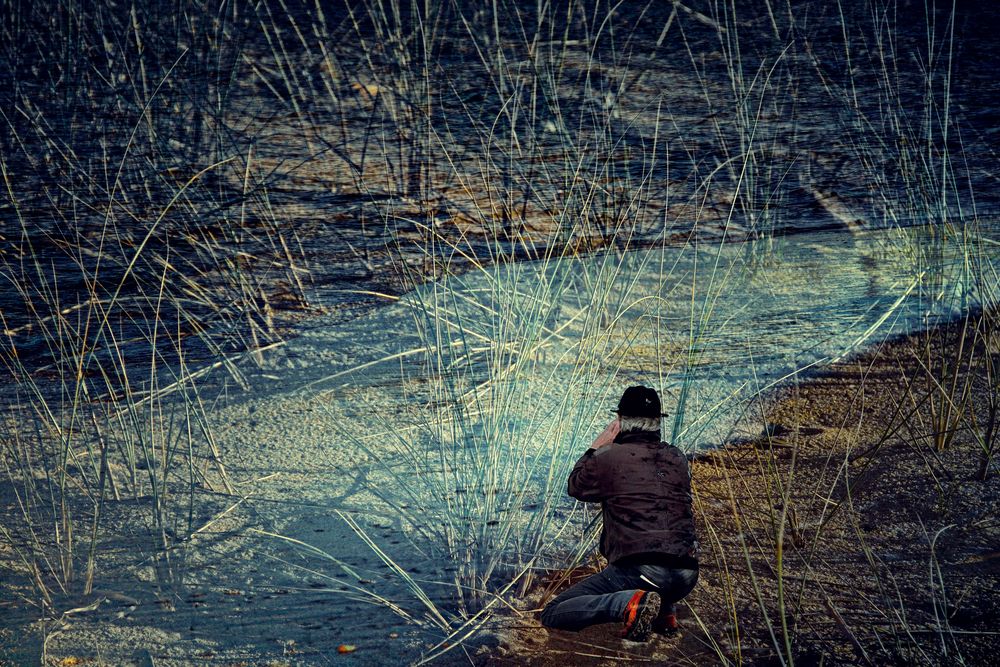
[602, 597]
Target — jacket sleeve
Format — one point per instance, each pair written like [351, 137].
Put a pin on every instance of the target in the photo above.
[585, 478]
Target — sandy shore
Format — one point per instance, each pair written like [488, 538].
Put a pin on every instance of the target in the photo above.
[839, 537]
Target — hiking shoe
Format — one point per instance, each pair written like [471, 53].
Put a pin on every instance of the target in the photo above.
[639, 614]
[666, 625]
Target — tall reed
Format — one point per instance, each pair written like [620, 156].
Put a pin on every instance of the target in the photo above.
[140, 253]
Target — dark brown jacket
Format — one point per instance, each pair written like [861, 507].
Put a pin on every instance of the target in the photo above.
[644, 487]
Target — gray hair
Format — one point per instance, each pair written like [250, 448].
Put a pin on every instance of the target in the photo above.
[630, 424]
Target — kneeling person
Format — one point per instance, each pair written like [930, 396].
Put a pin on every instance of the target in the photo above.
[648, 536]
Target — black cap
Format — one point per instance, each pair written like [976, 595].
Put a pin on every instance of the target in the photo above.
[639, 402]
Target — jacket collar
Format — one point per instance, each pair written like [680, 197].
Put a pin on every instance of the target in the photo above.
[638, 436]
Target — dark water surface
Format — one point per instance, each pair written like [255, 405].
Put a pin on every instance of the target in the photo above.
[358, 152]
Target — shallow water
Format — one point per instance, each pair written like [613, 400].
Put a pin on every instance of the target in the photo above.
[727, 322]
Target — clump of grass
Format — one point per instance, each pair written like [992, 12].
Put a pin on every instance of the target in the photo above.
[515, 356]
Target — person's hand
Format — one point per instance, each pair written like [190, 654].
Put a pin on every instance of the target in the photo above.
[608, 435]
